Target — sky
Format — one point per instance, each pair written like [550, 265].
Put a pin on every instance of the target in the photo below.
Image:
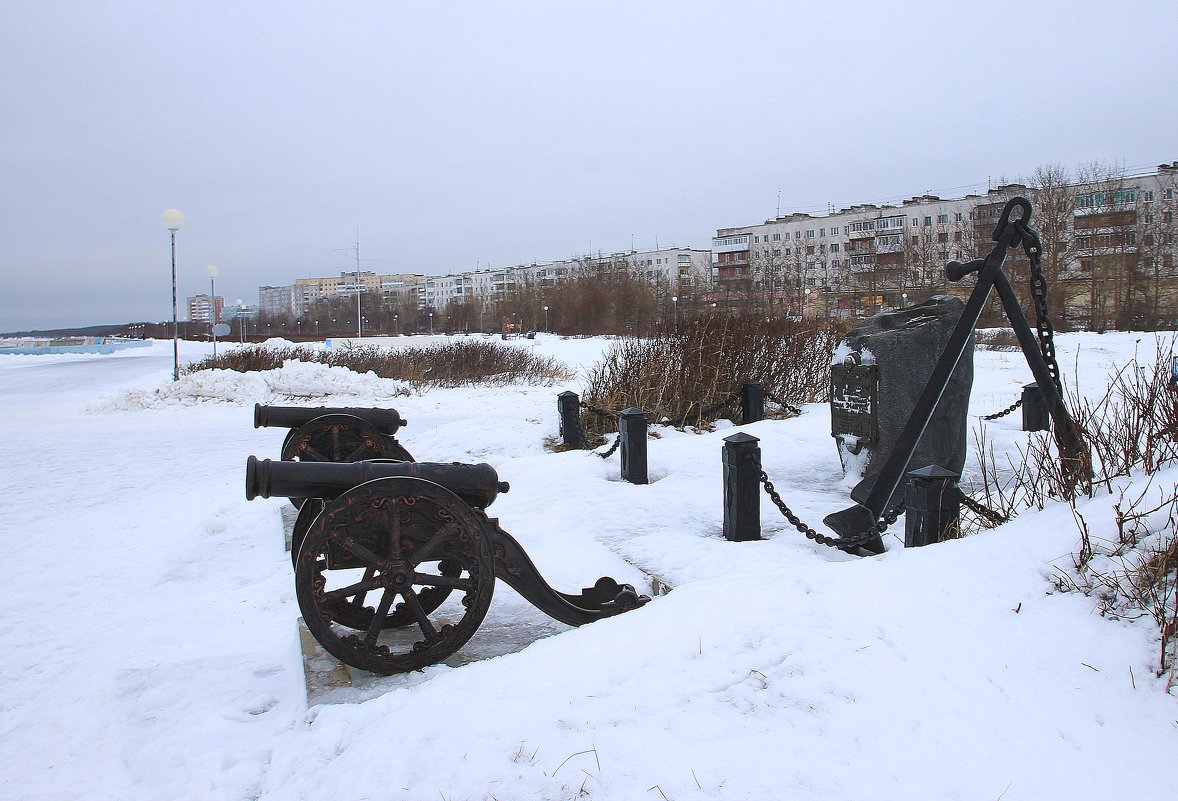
[457, 136]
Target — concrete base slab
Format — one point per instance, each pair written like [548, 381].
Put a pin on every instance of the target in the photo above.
[289, 513]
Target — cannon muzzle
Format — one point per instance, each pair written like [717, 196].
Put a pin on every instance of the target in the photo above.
[476, 484]
[387, 421]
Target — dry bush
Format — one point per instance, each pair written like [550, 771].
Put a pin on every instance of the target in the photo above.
[677, 375]
[463, 362]
[996, 339]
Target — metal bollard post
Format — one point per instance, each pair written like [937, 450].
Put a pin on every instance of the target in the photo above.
[742, 491]
[752, 402]
[932, 505]
[632, 430]
[1035, 414]
[569, 406]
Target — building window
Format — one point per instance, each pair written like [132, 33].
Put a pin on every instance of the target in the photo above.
[787, 236]
[943, 237]
[1168, 194]
[834, 247]
[928, 220]
[1167, 217]
[942, 219]
[777, 237]
[915, 222]
[1149, 196]
[810, 233]
[957, 217]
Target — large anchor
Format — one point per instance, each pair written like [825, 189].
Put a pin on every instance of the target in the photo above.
[873, 496]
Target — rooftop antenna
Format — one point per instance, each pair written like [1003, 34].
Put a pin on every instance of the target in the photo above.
[355, 250]
[778, 202]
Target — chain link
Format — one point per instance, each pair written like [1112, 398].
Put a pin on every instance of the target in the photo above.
[794, 410]
[997, 518]
[1004, 412]
[612, 448]
[1033, 247]
[833, 542]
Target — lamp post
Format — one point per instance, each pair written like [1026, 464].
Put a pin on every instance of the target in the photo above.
[675, 311]
[805, 302]
[903, 300]
[397, 323]
[172, 221]
[240, 321]
[431, 323]
[213, 272]
[546, 319]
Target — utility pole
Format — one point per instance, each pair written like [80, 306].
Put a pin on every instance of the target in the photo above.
[355, 250]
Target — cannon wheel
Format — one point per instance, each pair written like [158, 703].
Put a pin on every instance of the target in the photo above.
[396, 540]
[352, 612]
[338, 438]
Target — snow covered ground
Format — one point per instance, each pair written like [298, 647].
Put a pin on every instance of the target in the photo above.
[150, 648]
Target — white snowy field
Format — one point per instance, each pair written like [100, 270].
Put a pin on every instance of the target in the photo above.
[150, 647]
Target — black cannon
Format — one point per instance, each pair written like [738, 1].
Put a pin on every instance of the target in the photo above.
[415, 537]
[335, 434]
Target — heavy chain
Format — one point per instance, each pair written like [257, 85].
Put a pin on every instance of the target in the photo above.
[702, 413]
[794, 410]
[589, 407]
[612, 448]
[1004, 412]
[833, 542]
[997, 518]
[1033, 247]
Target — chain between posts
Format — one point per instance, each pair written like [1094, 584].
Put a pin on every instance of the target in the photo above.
[1004, 412]
[822, 539]
[794, 410]
[997, 518]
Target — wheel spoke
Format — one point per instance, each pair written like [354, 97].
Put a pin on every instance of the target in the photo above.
[357, 452]
[374, 628]
[422, 554]
[335, 444]
[348, 543]
[359, 589]
[427, 627]
[464, 584]
[313, 453]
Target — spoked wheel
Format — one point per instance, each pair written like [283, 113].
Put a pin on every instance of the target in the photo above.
[352, 612]
[416, 553]
[337, 438]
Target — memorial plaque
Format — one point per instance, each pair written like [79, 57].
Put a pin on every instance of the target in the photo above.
[853, 408]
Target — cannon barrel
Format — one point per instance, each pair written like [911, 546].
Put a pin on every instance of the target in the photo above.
[386, 420]
[476, 484]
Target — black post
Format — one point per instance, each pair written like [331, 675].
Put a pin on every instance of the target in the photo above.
[570, 418]
[742, 491]
[632, 430]
[1036, 416]
[932, 505]
[752, 402]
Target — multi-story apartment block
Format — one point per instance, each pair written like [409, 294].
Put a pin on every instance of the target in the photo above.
[1108, 243]
[205, 308]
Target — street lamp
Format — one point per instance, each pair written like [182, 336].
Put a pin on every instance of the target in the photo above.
[172, 221]
[240, 321]
[213, 272]
[806, 301]
[431, 323]
[903, 300]
[545, 319]
[675, 311]
[397, 323]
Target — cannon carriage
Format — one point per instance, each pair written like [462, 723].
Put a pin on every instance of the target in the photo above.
[396, 563]
[335, 434]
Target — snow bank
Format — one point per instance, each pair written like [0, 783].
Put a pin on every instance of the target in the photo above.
[294, 381]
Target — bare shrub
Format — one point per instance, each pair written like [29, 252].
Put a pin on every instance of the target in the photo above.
[996, 339]
[680, 375]
[1132, 430]
[463, 362]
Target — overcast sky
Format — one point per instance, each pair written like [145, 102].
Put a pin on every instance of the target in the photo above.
[460, 135]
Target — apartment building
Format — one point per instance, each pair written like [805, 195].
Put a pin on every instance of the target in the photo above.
[205, 308]
[1110, 243]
